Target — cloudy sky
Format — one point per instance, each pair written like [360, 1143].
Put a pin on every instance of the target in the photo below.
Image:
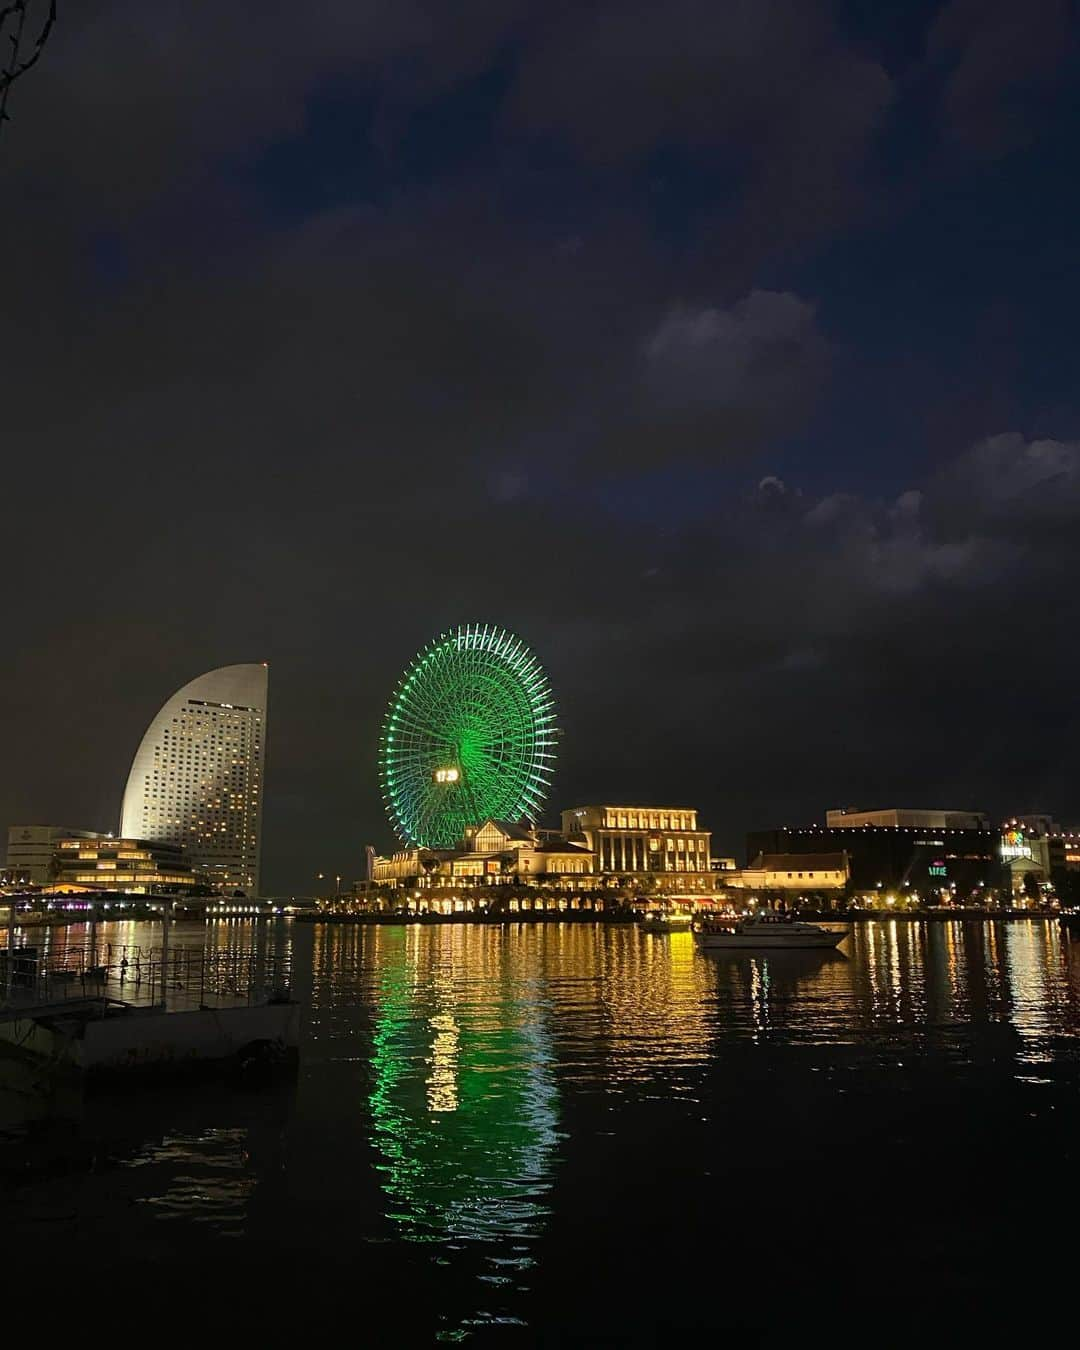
[725, 350]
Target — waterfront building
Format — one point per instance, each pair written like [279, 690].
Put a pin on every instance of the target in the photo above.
[31, 851]
[795, 873]
[1063, 856]
[1063, 851]
[660, 843]
[898, 859]
[494, 853]
[633, 848]
[850, 817]
[135, 866]
[197, 777]
[1033, 853]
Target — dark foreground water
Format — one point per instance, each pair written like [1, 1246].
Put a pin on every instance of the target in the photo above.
[571, 1135]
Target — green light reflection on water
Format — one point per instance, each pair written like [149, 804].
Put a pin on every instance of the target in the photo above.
[464, 1104]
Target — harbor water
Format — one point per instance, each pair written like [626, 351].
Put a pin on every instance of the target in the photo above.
[586, 1135]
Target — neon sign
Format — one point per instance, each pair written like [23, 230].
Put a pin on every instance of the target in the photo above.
[1013, 845]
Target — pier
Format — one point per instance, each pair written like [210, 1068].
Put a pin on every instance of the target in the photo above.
[108, 1012]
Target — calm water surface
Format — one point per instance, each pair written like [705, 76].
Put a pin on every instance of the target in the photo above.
[575, 1135]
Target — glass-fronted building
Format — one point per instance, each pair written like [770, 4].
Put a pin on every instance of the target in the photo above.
[134, 866]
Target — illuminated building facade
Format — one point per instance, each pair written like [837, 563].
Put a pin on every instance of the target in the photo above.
[1036, 852]
[659, 842]
[137, 866]
[1063, 851]
[641, 847]
[197, 777]
[1025, 852]
[898, 858]
[496, 852]
[32, 849]
[799, 873]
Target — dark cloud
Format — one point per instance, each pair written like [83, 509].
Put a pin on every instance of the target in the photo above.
[136, 101]
[769, 93]
[1002, 58]
[879, 648]
[763, 353]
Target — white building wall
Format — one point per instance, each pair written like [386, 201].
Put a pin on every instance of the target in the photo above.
[31, 848]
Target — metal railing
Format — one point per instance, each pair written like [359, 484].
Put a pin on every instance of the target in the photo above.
[139, 976]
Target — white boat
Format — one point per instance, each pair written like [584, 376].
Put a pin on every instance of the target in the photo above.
[661, 921]
[761, 931]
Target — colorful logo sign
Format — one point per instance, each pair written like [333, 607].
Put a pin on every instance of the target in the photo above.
[1013, 845]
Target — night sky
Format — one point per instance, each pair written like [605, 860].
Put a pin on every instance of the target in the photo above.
[726, 352]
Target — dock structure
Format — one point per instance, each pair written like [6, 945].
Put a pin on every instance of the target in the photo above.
[111, 1013]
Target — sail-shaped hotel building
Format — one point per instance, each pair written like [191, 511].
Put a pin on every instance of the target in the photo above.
[197, 776]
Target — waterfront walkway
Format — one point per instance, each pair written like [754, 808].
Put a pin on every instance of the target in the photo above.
[192, 979]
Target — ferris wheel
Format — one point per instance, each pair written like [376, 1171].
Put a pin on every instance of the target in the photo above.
[469, 734]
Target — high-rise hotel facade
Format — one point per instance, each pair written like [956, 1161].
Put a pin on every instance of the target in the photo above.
[197, 776]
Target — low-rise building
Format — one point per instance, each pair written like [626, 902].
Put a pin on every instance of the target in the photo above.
[796, 873]
[15, 878]
[899, 859]
[609, 847]
[32, 849]
[135, 866]
[1063, 850]
[494, 853]
[1031, 853]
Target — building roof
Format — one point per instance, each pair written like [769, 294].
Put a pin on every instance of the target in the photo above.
[799, 862]
[510, 829]
[918, 817]
[561, 846]
[605, 806]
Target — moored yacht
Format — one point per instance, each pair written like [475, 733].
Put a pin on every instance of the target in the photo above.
[665, 921]
[759, 931]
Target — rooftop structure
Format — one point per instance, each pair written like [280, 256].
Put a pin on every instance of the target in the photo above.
[896, 818]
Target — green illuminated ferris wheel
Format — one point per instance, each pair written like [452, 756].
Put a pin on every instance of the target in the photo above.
[470, 733]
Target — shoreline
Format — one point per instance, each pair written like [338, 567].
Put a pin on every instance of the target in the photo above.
[586, 916]
[41, 921]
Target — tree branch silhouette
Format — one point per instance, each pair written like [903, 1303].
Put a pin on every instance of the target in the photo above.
[25, 50]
